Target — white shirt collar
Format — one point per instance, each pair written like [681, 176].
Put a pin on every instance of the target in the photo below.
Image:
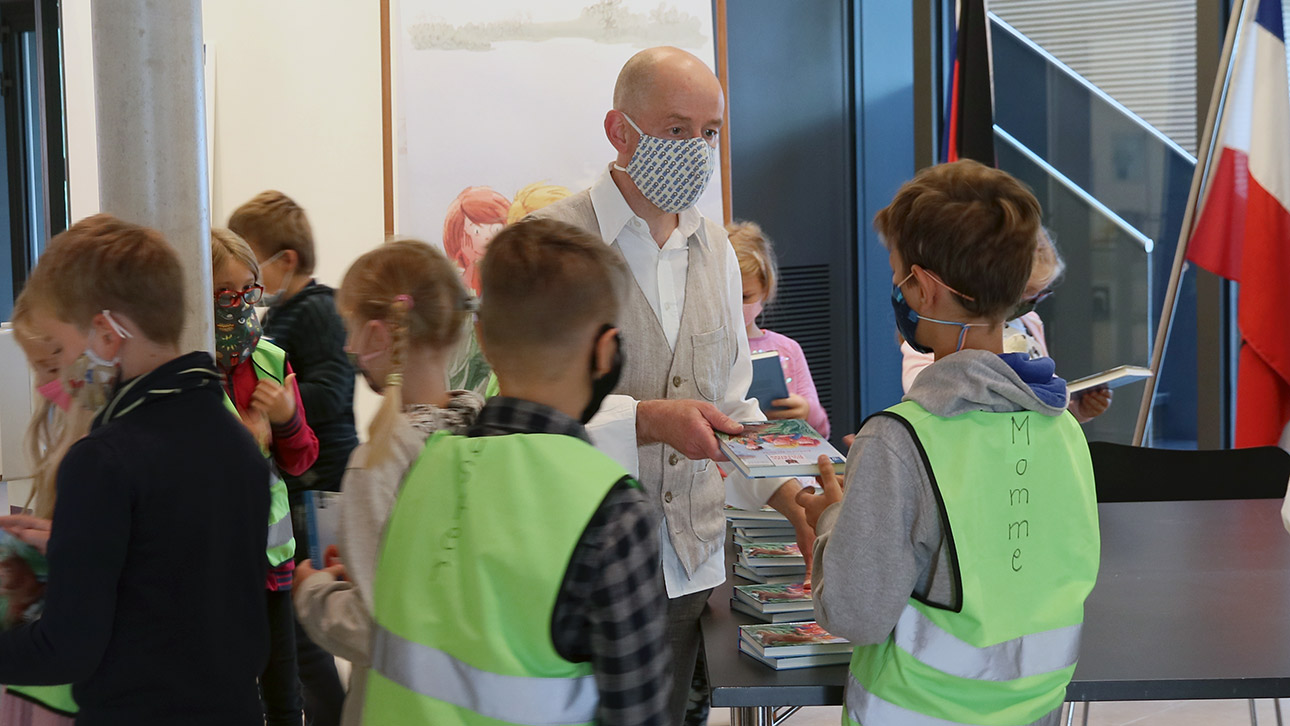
[613, 213]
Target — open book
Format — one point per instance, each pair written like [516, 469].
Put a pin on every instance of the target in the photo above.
[1113, 378]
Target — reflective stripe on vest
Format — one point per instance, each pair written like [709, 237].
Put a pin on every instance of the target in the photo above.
[513, 699]
[270, 363]
[1029, 655]
[281, 534]
[862, 707]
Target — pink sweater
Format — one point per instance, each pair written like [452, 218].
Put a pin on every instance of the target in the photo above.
[796, 373]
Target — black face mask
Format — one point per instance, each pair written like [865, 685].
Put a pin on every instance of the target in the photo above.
[604, 385]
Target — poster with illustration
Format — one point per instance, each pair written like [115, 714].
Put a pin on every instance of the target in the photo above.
[500, 108]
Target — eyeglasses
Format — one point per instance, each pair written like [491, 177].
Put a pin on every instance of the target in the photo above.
[232, 298]
[1028, 305]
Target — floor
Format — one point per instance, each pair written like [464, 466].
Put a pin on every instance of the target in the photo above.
[1137, 713]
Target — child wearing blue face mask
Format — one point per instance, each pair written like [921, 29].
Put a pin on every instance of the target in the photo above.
[1024, 331]
[959, 558]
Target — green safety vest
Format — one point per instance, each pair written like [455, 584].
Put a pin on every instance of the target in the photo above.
[470, 567]
[55, 698]
[270, 363]
[1020, 516]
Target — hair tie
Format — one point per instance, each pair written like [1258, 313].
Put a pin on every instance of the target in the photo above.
[394, 379]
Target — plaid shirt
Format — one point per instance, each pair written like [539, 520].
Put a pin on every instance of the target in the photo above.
[612, 608]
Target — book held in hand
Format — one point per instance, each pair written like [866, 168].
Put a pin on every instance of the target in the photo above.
[778, 449]
[23, 575]
[768, 383]
[1113, 378]
[322, 516]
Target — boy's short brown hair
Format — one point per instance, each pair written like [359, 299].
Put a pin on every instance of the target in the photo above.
[272, 222]
[545, 283]
[973, 226]
[102, 263]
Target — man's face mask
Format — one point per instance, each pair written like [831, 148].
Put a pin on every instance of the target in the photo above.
[670, 173]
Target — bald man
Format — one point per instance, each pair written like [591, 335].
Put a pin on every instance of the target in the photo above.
[687, 366]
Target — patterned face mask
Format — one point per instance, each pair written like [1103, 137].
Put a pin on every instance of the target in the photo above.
[237, 332]
[90, 378]
[670, 173]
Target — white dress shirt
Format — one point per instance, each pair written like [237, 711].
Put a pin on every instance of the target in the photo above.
[661, 274]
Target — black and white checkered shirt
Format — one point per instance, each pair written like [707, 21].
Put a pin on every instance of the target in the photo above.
[612, 606]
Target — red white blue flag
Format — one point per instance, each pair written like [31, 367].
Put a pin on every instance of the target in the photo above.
[1243, 224]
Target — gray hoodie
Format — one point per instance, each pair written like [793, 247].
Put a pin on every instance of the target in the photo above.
[884, 540]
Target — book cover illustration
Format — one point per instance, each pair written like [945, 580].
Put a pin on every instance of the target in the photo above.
[790, 447]
[23, 575]
[772, 594]
[788, 639]
[772, 551]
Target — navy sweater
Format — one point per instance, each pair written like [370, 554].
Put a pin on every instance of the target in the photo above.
[311, 332]
[155, 605]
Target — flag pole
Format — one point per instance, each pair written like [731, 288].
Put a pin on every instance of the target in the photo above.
[1218, 100]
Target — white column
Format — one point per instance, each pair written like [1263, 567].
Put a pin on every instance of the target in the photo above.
[148, 82]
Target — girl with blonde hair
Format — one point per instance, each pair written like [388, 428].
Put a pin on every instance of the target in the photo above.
[405, 310]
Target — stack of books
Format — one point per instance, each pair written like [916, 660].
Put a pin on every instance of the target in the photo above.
[770, 563]
[763, 527]
[786, 603]
[785, 646]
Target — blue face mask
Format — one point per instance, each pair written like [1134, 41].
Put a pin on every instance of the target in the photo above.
[907, 318]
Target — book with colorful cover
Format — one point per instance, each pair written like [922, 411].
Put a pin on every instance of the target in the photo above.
[24, 573]
[777, 598]
[782, 640]
[771, 554]
[322, 516]
[802, 661]
[777, 577]
[793, 616]
[778, 449]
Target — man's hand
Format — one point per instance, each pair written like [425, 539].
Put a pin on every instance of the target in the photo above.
[815, 504]
[276, 402]
[32, 530]
[685, 425]
[784, 501]
[794, 406]
[1088, 405]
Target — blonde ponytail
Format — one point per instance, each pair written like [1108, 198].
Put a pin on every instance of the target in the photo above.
[380, 432]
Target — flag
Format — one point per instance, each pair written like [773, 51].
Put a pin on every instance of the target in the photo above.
[970, 126]
[1242, 230]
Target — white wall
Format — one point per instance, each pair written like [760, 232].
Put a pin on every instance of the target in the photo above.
[297, 107]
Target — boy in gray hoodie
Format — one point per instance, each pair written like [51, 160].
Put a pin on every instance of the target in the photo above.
[959, 558]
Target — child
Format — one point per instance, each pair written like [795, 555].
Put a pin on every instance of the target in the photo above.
[405, 309]
[959, 559]
[55, 425]
[519, 552]
[303, 322]
[1024, 331]
[760, 274]
[260, 387]
[154, 608]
